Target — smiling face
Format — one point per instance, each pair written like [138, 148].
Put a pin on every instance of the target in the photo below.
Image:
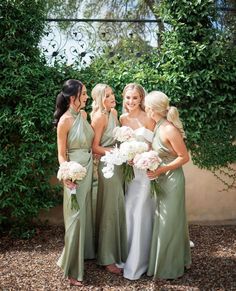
[109, 99]
[132, 100]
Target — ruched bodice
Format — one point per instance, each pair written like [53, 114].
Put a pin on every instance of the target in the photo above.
[80, 138]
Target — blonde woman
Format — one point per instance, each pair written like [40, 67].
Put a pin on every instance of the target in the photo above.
[170, 249]
[139, 204]
[111, 236]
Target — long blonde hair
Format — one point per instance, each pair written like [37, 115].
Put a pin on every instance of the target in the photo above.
[98, 94]
[159, 102]
[141, 91]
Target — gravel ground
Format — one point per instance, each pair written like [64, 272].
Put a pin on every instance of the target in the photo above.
[31, 264]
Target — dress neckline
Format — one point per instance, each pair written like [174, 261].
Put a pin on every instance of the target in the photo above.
[73, 112]
[159, 123]
[141, 129]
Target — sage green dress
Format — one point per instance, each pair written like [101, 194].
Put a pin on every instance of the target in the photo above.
[111, 233]
[79, 230]
[170, 250]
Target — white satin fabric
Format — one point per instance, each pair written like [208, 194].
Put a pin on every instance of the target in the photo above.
[140, 207]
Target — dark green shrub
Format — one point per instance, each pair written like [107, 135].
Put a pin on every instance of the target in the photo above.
[28, 88]
[196, 69]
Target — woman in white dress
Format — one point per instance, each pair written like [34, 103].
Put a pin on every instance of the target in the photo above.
[139, 204]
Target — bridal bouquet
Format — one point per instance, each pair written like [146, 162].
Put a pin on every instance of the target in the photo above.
[75, 172]
[129, 149]
[118, 156]
[112, 158]
[123, 133]
[149, 161]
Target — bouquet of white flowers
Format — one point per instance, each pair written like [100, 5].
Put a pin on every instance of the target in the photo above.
[129, 149]
[123, 133]
[118, 156]
[112, 158]
[75, 172]
[149, 161]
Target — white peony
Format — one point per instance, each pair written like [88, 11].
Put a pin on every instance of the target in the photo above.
[123, 133]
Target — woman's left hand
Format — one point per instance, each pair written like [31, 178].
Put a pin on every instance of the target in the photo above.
[155, 174]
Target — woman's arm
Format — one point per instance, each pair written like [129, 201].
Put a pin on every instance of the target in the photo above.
[99, 123]
[173, 137]
[149, 123]
[62, 132]
[123, 119]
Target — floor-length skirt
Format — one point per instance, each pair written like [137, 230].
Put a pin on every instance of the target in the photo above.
[170, 250]
[140, 207]
[111, 232]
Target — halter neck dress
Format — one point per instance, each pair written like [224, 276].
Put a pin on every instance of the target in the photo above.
[170, 250]
[79, 231]
[111, 233]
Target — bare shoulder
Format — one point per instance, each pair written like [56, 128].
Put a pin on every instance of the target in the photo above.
[99, 118]
[64, 124]
[84, 114]
[171, 130]
[65, 120]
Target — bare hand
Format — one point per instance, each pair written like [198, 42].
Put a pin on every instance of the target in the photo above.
[151, 175]
[96, 157]
[131, 163]
[155, 174]
[69, 184]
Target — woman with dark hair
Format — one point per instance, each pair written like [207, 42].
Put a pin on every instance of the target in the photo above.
[74, 141]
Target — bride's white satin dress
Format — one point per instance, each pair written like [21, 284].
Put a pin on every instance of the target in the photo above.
[140, 208]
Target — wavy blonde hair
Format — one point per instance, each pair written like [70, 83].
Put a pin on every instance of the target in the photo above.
[98, 94]
[141, 91]
[159, 102]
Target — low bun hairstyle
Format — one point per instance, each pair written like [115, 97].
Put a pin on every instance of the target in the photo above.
[159, 102]
[139, 89]
[70, 88]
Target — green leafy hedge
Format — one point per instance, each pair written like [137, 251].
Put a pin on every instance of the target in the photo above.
[28, 89]
[195, 68]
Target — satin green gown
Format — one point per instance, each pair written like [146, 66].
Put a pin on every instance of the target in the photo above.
[111, 232]
[79, 230]
[170, 250]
